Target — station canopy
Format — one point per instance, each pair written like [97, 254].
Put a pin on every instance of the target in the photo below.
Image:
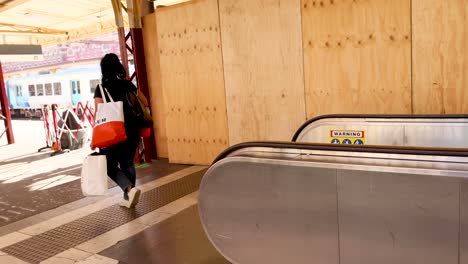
[49, 22]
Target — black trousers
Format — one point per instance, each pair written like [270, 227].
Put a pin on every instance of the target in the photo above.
[120, 166]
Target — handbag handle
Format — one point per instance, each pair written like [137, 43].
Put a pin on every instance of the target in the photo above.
[104, 95]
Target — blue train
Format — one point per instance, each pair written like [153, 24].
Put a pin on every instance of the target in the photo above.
[27, 94]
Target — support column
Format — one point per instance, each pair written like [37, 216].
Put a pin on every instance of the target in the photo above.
[142, 80]
[117, 6]
[6, 108]
[134, 10]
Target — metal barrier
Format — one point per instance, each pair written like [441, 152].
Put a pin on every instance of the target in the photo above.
[391, 130]
[6, 128]
[50, 128]
[85, 112]
[317, 203]
[64, 122]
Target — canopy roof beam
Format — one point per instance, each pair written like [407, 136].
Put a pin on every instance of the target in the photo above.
[24, 29]
[8, 4]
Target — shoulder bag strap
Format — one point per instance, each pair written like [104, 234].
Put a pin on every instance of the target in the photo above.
[104, 95]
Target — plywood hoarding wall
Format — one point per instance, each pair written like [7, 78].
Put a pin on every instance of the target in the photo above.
[440, 57]
[192, 81]
[357, 56]
[235, 71]
[263, 68]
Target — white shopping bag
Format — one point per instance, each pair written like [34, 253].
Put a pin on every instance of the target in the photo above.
[94, 175]
[109, 126]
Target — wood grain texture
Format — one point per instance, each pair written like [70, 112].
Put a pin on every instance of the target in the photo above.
[150, 39]
[263, 65]
[192, 81]
[357, 56]
[440, 58]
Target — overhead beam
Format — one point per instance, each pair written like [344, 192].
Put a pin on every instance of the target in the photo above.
[25, 29]
[89, 31]
[12, 4]
[32, 32]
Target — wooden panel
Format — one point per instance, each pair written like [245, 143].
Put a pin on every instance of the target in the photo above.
[357, 56]
[263, 66]
[440, 58]
[154, 82]
[192, 81]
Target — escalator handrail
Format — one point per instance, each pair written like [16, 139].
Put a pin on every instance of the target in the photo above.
[451, 152]
[315, 119]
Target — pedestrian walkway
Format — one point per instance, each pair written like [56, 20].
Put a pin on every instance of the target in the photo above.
[82, 234]
[44, 217]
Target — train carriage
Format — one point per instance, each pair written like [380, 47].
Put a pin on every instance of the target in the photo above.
[65, 87]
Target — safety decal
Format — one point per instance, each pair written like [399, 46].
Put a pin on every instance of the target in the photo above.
[348, 137]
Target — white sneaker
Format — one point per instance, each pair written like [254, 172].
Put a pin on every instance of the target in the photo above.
[133, 197]
[124, 203]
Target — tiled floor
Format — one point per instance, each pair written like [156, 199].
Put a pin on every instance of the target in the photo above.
[40, 194]
[40, 183]
[178, 236]
[177, 240]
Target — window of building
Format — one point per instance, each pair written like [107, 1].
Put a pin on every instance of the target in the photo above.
[48, 89]
[40, 89]
[93, 84]
[57, 88]
[32, 90]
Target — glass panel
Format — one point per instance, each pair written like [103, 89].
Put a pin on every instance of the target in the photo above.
[32, 90]
[93, 84]
[19, 91]
[57, 88]
[48, 89]
[40, 89]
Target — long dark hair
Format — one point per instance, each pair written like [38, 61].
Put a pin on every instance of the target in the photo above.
[111, 68]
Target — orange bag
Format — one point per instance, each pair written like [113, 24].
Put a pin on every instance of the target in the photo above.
[109, 126]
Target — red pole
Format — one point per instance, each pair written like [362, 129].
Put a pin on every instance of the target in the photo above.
[142, 80]
[54, 117]
[123, 50]
[119, 22]
[6, 109]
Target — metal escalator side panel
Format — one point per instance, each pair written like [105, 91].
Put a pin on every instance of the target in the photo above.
[398, 218]
[250, 213]
[258, 210]
[373, 117]
[304, 148]
[422, 131]
[453, 163]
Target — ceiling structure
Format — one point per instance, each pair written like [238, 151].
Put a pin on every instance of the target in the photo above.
[48, 22]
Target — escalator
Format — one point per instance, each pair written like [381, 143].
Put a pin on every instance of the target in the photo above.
[274, 202]
[391, 130]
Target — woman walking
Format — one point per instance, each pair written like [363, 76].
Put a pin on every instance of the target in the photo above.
[120, 166]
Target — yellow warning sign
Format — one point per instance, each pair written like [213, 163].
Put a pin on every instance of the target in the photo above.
[355, 137]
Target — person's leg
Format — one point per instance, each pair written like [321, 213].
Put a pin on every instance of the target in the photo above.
[113, 171]
[128, 168]
[126, 160]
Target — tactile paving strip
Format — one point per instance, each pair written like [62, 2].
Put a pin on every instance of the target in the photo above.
[41, 247]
